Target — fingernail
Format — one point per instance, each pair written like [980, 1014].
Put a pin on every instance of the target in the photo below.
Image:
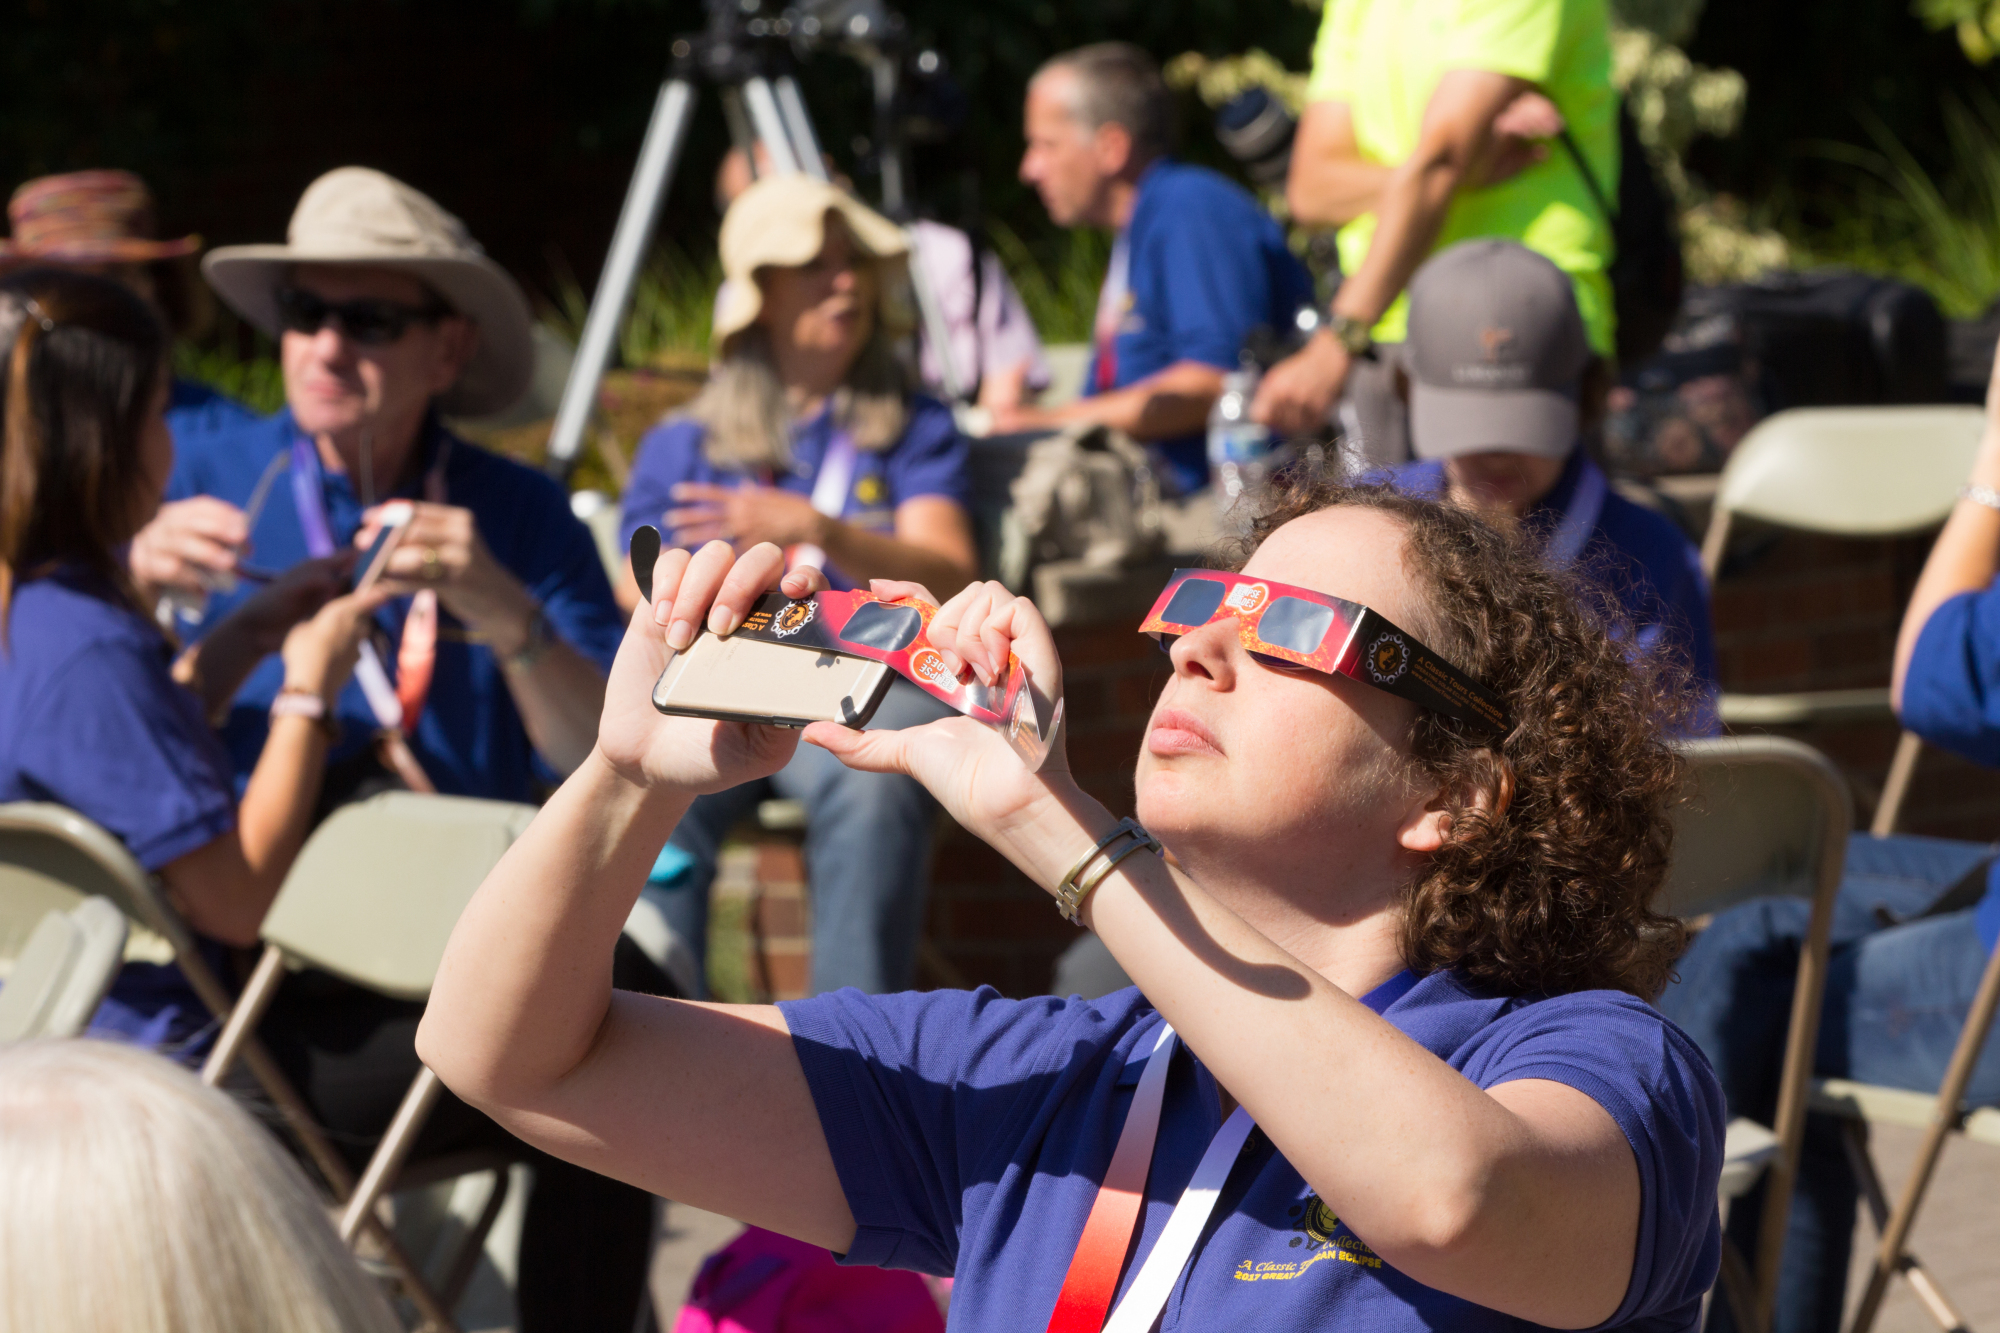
[679, 635]
[952, 661]
[722, 621]
[663, 611]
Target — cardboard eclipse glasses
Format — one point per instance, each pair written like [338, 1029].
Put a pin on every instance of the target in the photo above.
[1326, 633]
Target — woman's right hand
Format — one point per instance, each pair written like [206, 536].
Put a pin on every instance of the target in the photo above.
[320, 653]
[712, 587]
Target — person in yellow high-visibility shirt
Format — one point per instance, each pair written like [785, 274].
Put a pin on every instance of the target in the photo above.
[1431, 122]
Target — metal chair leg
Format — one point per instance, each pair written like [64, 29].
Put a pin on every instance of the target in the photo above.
[391, 1152]
[1946, 1118]
[247, 1014]
[1909, 746]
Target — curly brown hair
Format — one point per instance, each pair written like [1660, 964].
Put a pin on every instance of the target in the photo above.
[1546, 881]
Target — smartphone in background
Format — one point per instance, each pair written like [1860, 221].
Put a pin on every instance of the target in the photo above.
[749, 680]
[395, 519]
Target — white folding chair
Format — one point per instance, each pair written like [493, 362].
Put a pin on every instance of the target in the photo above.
[372, 899]
[58, 980]
[52, 858]
[1763, 815]
[1844, 472]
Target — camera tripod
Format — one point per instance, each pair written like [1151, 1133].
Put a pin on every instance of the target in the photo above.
[747, 54]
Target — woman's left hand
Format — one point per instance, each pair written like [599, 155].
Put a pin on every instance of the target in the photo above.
[742, 516]
[968, 766]
[266, 615]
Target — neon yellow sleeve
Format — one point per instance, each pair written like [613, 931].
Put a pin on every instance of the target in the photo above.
[1516, 37]
[1333, 53]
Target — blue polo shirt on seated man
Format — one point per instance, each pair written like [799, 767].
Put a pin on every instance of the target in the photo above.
[929, 458]
[1199, 266]
[469, 738]
[971, 1133]
[1496, 359]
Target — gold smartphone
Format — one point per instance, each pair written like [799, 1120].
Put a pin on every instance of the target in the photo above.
[749, 680]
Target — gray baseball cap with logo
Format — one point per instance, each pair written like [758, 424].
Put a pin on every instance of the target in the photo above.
[1495, 354]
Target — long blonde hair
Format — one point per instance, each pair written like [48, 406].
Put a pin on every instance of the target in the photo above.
[133, 1198]
[747, 421]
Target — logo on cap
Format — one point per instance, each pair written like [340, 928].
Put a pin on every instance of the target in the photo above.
[1493, 340]
[1388, 658]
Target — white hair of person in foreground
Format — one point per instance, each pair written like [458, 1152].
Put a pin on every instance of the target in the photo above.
[133, 1198]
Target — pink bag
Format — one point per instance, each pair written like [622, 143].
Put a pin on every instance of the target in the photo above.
[762, 1282]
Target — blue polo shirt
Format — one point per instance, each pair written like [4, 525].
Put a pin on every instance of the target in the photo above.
[470, 739]
[91, 719]
[931, 458]
[194, 408]
[1205, 265]
[1637, 555]
[1951, 697]
[971, 1133]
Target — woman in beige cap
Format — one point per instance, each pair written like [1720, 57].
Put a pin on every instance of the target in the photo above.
[808, 436]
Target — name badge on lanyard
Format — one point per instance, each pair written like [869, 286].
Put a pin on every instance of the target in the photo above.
[1092, 1279]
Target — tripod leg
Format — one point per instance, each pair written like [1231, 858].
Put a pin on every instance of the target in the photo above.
[769, 123]
[658, 154]
[798, 125]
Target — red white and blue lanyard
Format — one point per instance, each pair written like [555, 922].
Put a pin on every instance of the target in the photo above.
[1092, 1279]
[396, 707]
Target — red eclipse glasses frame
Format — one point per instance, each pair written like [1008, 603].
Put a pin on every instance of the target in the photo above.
[1314, 629]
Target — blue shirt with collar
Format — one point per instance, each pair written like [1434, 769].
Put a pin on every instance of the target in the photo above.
[1951, 698]
[930, 458]
[194, 408]
[970, 1134]
[1205, 265]
[1637, 555]
[470, 738]
[90, 718]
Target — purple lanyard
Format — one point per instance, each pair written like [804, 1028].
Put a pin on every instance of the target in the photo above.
[308, 499]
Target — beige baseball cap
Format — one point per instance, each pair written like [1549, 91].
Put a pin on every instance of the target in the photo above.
[780, 222]
[362, 217]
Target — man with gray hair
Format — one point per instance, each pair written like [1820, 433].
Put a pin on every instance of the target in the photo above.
[1196, 266]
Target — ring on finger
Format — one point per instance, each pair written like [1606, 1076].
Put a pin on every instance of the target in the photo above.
[433, 567]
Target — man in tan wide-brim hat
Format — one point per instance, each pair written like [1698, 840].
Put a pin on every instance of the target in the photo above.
[488, 674]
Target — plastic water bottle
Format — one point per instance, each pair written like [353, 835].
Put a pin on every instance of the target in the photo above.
[1239, 450]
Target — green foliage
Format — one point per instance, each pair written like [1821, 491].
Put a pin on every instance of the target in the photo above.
[1942, 233]
[1976, 22]
[673, 307]
[236, 360]
[1060, 287]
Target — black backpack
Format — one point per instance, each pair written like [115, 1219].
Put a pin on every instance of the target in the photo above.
[1647, 277]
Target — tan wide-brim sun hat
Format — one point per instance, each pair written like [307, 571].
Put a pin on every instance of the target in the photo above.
[357, 216]
[780, 222]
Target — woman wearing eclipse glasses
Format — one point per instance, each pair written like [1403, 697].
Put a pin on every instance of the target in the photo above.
[1388, 1064]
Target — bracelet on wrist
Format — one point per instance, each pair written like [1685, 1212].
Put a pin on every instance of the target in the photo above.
[1095, 865]
[297, 701]
[1980, 495]
[533, 644]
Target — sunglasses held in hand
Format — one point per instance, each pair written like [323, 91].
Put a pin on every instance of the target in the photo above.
[1289, 628]
[369, 322]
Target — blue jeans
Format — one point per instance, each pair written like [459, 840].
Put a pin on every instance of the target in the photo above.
[1899, 984]
[868, 844]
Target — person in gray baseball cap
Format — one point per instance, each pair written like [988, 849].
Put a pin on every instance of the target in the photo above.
[1502, 389]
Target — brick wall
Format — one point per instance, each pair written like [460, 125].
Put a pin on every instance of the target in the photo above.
[1799, 612]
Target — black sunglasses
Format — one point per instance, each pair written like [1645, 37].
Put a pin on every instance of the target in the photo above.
[368, 322]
